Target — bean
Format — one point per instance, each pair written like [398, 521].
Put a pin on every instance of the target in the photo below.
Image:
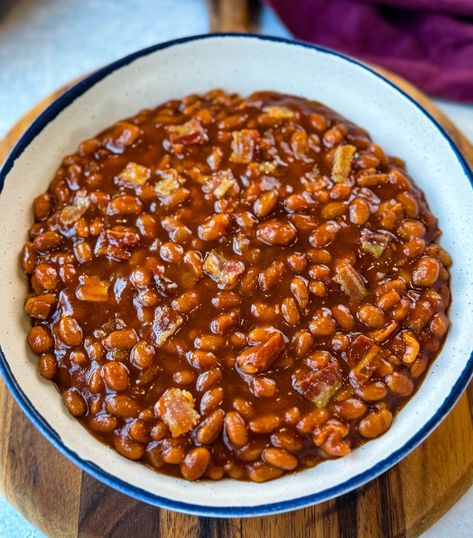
[122, 406]
[262, 472]
[426, 272]
[128, 448]
[210, 342]
[195, 463]
[142, 354]
[371, 315]
[343, 317]
[47, 241]
[159, 431]
[265, 204]
[290, 442]
[372, 392]
[352, 409]
[41, 306]
[183, 377]
[210, 400]
[323, 323]
[28, 258]
[280, 458]
[265, 423]
[74, 402]
[39, 339]
[202, 360]
[214, 228]
[46, 276]
[400, 384]
[375, 423]
[172, 451]
[276, 232]
[186, 302]
[70, 331]
[116, 375]
[235, 429]
[290, 311]
[300, 291]
[140, 431]
[243, 407]
[210, 428]
[171, 253]
[208, 379]
[103, 423]
[302, 342]
[47, 365]
[121, 339]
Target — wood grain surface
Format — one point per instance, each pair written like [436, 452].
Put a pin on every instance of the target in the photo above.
[63, 502]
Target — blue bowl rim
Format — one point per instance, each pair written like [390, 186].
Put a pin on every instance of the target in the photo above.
[48, 115]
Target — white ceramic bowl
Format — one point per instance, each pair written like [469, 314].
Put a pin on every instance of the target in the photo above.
[242, 64]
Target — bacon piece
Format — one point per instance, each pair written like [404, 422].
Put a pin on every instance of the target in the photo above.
[124, 134]
[350, 281]
[318, 386]
[257, 359]
[72, 213]
[116, 244]
[342, 160]
[176, 407]
[92, 289]
[379, 335]
[244, 145]
[364, 356]
[221, 183]
[171, 182]
[374, 243]
[279, 112]
[134, 175]
[188, 133]
[222, 270]
[165, 324]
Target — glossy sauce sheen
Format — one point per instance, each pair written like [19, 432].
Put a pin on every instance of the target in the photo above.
[234, 287]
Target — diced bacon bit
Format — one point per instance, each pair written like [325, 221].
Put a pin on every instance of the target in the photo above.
[300, 144]
[244, 145]
[257, 359]
[374, 243]
[364, 356]
[268, 167]
[124, 134]
[176, 407]
[350, 281]
[92, 289]
[117, 244]
[215, 158]
[222, 270]
[319, 386]
[221, 183]
[342, 160]
[279, 112]
[171, 182]
[382, 334]
[72, 213]
[134, 175]
[165, 324]
[188, 133]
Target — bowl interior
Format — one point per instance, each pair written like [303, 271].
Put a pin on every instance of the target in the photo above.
[244, 65]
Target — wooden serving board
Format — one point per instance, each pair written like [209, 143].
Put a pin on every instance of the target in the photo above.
[62, 501]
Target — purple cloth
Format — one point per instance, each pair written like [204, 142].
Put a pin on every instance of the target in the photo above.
[429, 42]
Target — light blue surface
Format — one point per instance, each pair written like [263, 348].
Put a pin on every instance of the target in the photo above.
[46, 43]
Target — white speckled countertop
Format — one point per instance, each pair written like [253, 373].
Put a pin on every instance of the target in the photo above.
[46, 43]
